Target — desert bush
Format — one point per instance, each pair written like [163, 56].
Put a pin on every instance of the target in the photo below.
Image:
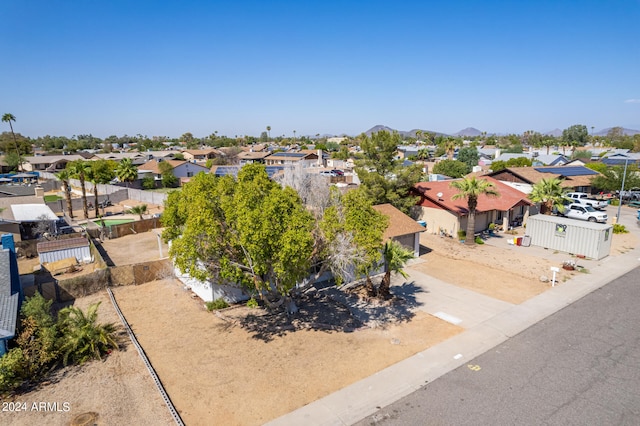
[620, 229]
[83, 338]
[217, 304]
[12, 372]
[252, 303]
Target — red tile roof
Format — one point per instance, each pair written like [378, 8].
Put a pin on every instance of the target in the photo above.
[508, 198]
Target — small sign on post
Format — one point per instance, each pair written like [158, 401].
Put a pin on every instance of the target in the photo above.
[553, 280]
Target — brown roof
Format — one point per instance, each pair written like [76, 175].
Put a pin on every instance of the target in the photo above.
[153, 165]
[249, 155]
[201, 151]
[69, 243]
[508, 198]
[534, 176]
[399, 223]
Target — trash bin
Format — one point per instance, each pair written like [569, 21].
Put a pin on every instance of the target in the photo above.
[519, 241]
[526, 241]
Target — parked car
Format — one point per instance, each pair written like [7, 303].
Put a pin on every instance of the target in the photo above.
[330, 173]
[584, 199]
[338, 172]
[582, 212]
[631, 195]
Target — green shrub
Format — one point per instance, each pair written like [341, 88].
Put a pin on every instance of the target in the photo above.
[252, 303]
[462, 234]
[620, 229]
[12, 370]
[614, 202]
[83, 338]
[479, 240]
[217, 304]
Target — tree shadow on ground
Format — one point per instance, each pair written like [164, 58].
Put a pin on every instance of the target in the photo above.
[330, 310]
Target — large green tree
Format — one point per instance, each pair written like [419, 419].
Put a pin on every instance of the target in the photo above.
[612, 177]
[468, 155]
[451, 168]
[471, 189]
[100, 172]
[576, 135]
[382, 175]
[550, 193]
[352, 216]
[249, 232]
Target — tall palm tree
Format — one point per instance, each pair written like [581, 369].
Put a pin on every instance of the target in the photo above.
[80, 169]
[269, 132]
[9, 118]
[100, 172]
[550, 193]
[470, 189]
[126, 171]
[395, 257]
[64, 176]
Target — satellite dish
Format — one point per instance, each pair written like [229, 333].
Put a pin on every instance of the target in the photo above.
[439, 194]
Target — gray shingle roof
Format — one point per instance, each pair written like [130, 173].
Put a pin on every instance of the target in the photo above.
[8, 315]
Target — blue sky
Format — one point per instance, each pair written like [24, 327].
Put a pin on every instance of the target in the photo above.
[328, 67]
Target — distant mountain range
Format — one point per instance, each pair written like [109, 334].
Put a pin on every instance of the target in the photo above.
[472, 132]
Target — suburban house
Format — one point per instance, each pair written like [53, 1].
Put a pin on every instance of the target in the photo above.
[10, 292]
[619, 159]
[137, 158]
[181, 169]
[248, 157]
[200, 155]
[549, 160]
[575, 178]
[49, 163]
[446, 216]
[307, 159]
[401, 228]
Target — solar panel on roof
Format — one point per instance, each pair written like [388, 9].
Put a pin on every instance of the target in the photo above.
[567, 171]
[290, 154]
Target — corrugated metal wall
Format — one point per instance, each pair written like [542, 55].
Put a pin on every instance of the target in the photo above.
[592, 240]
[82, 255]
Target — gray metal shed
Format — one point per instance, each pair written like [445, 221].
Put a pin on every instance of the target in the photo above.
[592, 240]
[51, 251]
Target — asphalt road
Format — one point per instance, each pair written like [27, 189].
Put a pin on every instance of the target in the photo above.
[580, 366]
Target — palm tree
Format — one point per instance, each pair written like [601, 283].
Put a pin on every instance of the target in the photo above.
[471, 189]
[139, 210]
[395, 256]
[9, 118]
[100, 172]
[64, 176]
[83, 338]
[269, 132]
[126, 171]
[80, 169]
[550, 193]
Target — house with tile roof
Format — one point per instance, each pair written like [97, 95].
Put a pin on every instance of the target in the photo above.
[444, 215]
[49, 163]
[249, 157]
[574, 178]
[401, 228]
[181, 169]
[200, 155]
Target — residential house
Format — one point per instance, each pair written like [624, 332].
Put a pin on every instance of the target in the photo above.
[401, 228]
[181, 169]
[10, 292]
[137, 158]
[620, 159]
[200, 155]
[443, 215]
[49, 163]
[574, 178]
[249, 157]
[549, 160]
[307, 159]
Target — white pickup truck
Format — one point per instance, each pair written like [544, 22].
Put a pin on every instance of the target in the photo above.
[583, 198]
[582, 212]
